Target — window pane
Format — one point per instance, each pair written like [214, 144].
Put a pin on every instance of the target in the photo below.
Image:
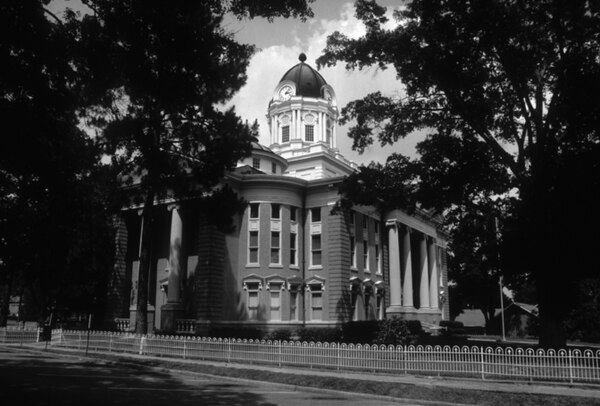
[316, 259]
[273, 168]
[275, 239]
[253, 239]
[293, 213]
[254, 210]
[309, 133]
[285, 133]
[275, 297]
[256, 163]
[275, 255]
[315, 214]
[252, 299]
[275, 209]
[253, 256]
[316, 241]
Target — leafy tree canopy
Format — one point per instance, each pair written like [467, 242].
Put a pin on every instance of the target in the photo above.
[519, 84]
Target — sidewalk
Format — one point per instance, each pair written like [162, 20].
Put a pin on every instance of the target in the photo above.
[576, 390]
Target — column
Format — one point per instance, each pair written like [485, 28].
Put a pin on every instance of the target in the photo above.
[424, 274]
[407, 287]
[175, 256]
[323, 129]
[394, 255]
[293, 134]
[433, 274]
[173, 309]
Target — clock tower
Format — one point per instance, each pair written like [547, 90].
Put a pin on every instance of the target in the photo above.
[302, 119]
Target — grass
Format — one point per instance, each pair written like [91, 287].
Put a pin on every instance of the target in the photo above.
[393, 389]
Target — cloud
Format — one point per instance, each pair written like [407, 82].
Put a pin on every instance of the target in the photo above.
[268, 65]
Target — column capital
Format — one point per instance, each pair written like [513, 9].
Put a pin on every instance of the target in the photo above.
[175, 206]
[392, 223]
[430, 239]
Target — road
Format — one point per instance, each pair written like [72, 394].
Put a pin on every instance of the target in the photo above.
[53, 379]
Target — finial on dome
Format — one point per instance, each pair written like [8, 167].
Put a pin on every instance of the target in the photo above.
[302, 57]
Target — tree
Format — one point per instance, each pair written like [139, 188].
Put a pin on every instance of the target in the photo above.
[52, 206]
[522, 79]
[154, 74]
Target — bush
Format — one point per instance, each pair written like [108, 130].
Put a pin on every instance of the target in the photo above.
[396, 331]
[319, 334]
[282, 334]
[360, 332]
[249, 333]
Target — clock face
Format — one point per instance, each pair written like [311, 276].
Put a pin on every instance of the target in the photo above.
[285, 92]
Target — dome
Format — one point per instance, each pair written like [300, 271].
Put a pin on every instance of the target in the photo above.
[308, 81]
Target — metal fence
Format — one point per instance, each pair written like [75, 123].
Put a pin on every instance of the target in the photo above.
[573, 366]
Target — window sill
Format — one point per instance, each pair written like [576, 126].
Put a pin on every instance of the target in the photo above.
[295, 267]
[279, 266]
[315, 267]
[252, 265]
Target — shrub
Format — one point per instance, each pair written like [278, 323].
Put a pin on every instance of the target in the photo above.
[282, 334]
[249, 333]
[319, 334]
[360, 332]
[452, 328]
[396, 331]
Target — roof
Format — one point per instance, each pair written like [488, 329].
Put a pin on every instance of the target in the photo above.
[308, 81]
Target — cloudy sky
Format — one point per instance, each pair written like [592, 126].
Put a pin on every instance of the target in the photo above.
[279, 45]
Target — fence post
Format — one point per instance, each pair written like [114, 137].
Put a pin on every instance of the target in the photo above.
[184, 347]
[229, 351]
[338, 356]
[482, 365]
[110, 343]
[570, 366]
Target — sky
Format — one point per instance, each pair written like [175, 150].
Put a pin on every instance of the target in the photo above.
[280, 43]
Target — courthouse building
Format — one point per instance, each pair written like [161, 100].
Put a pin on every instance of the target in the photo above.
[290, 261]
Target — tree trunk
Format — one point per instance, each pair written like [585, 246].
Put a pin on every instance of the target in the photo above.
[141, 325]
[552, 311]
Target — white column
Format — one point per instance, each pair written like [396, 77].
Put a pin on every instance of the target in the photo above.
[293, 134]
[407, 287]
[322, 123]
[395, 278]
[433, 274]
[424, 272]
[274, 132]
[175, 256]
[299, 124]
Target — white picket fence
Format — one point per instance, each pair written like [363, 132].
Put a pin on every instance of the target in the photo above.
[513, 364]
[18, 335]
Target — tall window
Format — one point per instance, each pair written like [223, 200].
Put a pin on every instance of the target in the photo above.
[364, 222]
[275, 247]
[275, 300]
[293, 214]
[352, 252]
[316, 250]
[273, 167]
[275, 210]
[366, 255]
[285, 133]
[253, 247]
[294, 303]
[256, 163]
[293, 249]
[316, 302]
[252, 300]
[352, 215]
[309, 132]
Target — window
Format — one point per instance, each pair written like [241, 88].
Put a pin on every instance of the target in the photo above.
[351, 218]
[256, 163]
[253, 247]
[315, 242]
[252, 300]
[316, 302]
[254, 210]
[275, 210]
[285, 133]
[275, 300]
[275, 247]
[293, 249]
[364, 222]
[380, 302]
[368, 294]
[376, 226]
[354, 297]
[309, 132]
[352, 252]
[273, 167]
[294, 303]
[293, 213]
[366, 255]
[315, 214]
[328, 135]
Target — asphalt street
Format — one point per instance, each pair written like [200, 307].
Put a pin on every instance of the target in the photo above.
[53, 379]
